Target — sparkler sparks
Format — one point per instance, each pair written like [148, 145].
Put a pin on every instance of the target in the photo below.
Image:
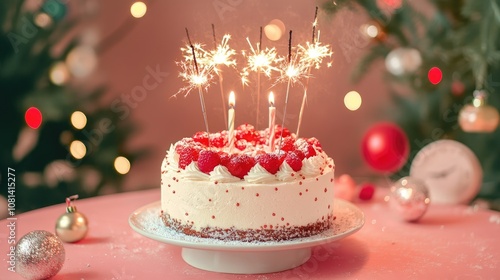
[313, 53]
[312, 56]
[263, 61]
[194, 79]
[222, 55]
[199, 66]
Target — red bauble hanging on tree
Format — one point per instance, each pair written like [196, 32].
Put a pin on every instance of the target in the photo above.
[385, 147]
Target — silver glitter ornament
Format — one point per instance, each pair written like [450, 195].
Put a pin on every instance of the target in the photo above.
[39, 255]
[409, 198]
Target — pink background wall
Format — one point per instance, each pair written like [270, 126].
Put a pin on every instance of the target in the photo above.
[155, 40]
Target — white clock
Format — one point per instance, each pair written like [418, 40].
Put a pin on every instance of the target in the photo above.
[450, 170]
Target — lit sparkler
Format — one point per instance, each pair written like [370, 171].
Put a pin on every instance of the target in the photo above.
[259, 61]
[292, 72]
[312, 55]
[221, 55]
[195, 74]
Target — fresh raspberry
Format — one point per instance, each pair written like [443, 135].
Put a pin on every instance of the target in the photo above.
[240, 144]
[201, 137]
[314, 141]
[224, 158]
[208, 160]
[247, 132]
[218, 140]
[302, 145]
[310, 152]
[270, 162]
[278, 129]
[239, 165]
[294, 159]
[187, 155]
[287, 144]
[367, 191]
[183, 143]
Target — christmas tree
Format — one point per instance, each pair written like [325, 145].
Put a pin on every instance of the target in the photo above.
[441, 55]
[58, 137]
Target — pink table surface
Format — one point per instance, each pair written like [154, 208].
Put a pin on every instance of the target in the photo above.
[449, 242]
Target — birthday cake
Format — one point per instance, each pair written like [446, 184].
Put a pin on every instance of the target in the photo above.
[246, 190]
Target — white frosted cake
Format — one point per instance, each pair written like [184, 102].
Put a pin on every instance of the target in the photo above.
[247, 192]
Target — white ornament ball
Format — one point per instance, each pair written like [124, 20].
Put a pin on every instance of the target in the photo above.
[409, 198]
[401, 61]
[39, 255]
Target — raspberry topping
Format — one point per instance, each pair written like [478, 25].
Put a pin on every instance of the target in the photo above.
[187, 154]
[218, 140]
[239, 165]
[270, 162]
[288, 144]
[250, 147]
[247, 132]
[224, 158]
[241, 144]
[208, 160]
[201, 137]
[307, 148]
[315, 142]
[278, 130]
[294, 159]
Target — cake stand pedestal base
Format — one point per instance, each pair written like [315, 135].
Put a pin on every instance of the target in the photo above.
[246, 262]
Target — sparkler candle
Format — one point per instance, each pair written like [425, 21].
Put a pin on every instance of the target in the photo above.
[230, 121]
[312, 55]
[221, 55]
[196, 79]
[272, 121]
[290, 74]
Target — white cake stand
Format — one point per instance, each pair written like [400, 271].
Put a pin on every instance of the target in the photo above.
[245, 257]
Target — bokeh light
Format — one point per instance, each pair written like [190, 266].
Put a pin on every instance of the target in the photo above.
[81, 61]
[78, 120]
[77, 149]
[122, 165]
[33, 117]
[59, 73]
[435, 75]
[138, 9]
[274, 30]
[43, 20]
[371, 31]
[352, 100]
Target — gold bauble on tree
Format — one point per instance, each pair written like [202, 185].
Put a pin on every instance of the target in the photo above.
[479, 116]
[72, 226]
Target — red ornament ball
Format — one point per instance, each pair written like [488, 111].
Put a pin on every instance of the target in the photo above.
[33, 117]
[385, 147]
[367, 191]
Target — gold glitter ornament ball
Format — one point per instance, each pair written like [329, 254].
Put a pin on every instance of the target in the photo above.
[39, 255]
